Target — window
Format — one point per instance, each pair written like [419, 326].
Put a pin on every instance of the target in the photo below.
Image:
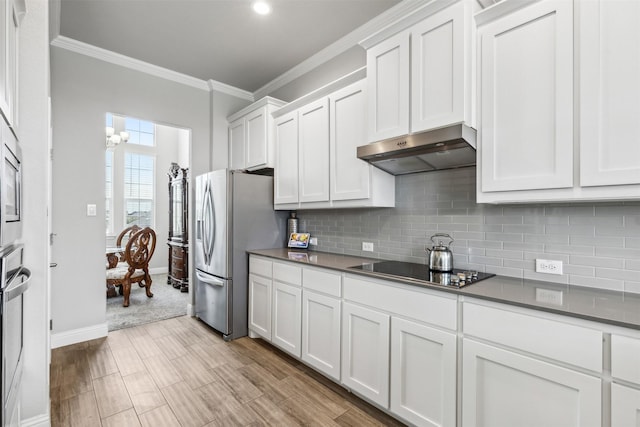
[139, 179]
[108, 191]
[140, 132]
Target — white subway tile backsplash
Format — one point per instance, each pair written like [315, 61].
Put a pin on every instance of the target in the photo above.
[613, 242]
[595, 261]
[598, 243]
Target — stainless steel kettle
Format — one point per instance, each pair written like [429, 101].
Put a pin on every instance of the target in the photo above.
[440, 257]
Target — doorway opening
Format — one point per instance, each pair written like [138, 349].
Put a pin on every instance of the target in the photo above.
[142, 159]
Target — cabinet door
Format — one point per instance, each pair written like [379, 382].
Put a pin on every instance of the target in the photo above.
[257, 138]
[286, 167]
[350, 176]
[260, 306]
[609, 85]
[365, 352]
[526, 90]
[423, 374]
[438, 69]
[314, 152]
[287, 317]
[501, 388]
[321, 333]
[236, 145]
[388, 88]
[625, 406]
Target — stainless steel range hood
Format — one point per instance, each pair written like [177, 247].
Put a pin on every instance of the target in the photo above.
[444, 148]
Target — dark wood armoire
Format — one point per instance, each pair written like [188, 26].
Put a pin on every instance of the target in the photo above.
[178, 228]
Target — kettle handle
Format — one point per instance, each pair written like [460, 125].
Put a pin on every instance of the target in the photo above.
[442, 235]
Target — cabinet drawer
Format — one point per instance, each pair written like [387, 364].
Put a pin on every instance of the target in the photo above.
[287, 273]
[426, 307]
[177, 263]
[260, 266]
[554, 339]
[625, 357]
[323, 281]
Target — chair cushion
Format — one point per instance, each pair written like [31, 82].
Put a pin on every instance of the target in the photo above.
[118, 273]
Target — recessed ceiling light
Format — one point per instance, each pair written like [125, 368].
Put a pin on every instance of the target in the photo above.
[262, 8]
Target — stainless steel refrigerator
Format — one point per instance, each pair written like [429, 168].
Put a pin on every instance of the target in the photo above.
[234, 213]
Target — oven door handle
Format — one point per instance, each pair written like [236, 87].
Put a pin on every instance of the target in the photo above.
[16, 289]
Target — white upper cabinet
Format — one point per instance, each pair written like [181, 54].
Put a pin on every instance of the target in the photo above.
[11, 12]
[388, 81]
[526, 86]
[251, 135]
[350, 176]
[313, 155]
[609, 89]
[440, 63]
[540, 78]
[420, 78]
[285, 174]
[237, 143]
[316, 150]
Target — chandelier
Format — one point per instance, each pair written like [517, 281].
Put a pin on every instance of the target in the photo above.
[114, 139]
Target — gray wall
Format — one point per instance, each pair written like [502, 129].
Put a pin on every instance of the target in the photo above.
[599, 243]
[337, 67]
[83, 89]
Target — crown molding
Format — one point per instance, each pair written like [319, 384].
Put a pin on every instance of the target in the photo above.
[217, 86]
[325, 90]
[352, 39]
[128, 62]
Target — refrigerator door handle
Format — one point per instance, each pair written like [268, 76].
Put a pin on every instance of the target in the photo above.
[209, 280]
[208, 225]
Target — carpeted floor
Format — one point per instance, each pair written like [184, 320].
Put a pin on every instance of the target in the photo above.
[167, 302]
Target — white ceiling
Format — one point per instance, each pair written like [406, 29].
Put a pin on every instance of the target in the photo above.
[221, 40]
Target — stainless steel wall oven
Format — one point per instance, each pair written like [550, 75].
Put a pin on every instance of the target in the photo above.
[15, 280]
[10, 190]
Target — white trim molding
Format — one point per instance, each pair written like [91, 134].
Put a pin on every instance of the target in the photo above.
[79, 335]
[128, 62]
[43, 420]
[217, 86]
[159, 270]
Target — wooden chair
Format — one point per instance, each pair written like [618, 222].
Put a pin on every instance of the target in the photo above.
[128, 233]
[137, 254]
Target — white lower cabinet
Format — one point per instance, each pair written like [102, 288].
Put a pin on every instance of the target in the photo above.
[287, 315]
[503, 388]
[531, 368]
[260, 305]
[625, 406]
[365, 352]
[625, 398]
[423, 374]
[321, 333]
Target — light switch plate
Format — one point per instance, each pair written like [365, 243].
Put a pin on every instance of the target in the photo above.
[91, 210]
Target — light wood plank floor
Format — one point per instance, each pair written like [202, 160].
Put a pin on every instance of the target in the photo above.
[178, 372]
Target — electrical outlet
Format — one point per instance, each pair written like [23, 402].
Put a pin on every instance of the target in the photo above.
[91, 210]
[313, 241]
[548, 266]
[367, 246]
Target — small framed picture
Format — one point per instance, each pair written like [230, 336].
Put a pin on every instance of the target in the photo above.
[299, 240]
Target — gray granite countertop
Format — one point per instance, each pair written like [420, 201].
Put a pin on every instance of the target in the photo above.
[615, 308]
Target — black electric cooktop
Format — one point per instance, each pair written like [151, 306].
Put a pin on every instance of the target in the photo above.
[420, 272]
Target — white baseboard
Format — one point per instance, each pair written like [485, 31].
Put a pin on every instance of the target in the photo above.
[191, 310]
[79, 335]
[159, 270]
[37, 421]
